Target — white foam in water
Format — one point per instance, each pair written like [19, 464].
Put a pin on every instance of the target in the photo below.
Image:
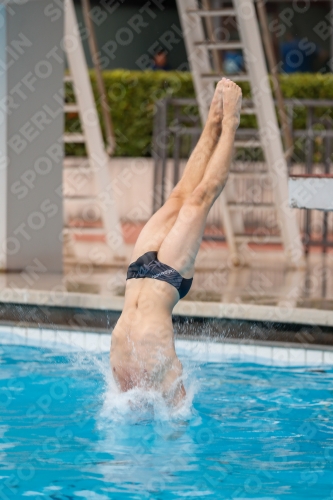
[139, 404]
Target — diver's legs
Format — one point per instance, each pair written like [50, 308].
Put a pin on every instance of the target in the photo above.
[158, 226]
[180, 247]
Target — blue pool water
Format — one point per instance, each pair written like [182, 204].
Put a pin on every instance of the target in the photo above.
[246, 432]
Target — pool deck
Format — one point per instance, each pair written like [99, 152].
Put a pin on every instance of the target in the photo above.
[267, 291]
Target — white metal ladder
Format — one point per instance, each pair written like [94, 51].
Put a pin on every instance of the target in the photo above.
[197, 19]
[97, 162]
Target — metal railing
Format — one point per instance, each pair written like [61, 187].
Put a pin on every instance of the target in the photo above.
[177, 129]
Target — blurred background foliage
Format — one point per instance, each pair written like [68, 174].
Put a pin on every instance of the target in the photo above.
[132, 96]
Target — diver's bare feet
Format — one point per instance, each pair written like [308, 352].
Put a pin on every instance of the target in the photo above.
[232, 102]
[215, 115]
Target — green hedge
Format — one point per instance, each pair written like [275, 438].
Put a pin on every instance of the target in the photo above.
[132, 95]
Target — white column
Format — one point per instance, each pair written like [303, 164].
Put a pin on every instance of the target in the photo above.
[3, 146]
[31, 128]
[94, 139]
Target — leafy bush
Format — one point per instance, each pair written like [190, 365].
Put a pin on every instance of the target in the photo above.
[131, 97]
[132, 94]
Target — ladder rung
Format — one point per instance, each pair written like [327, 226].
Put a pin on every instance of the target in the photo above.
[71, 108]
[248, 111]
[220, 45]
[250, 238]
[213, 12]
[185, 130]
[248, 144]
[68, 79]
[215, 77]
[74, 138]
[245, 204]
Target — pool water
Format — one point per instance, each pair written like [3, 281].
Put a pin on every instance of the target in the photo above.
[246, 431]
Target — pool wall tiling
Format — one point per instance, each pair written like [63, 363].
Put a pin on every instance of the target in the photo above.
[202, 350]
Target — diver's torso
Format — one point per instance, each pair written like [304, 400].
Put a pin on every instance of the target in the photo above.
[142, 346]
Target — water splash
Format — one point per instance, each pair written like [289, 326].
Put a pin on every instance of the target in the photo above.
[142, 405]
[137, 405]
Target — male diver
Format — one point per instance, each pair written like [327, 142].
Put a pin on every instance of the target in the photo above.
[161, 273]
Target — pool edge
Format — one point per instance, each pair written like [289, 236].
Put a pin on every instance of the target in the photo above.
[195, 309]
